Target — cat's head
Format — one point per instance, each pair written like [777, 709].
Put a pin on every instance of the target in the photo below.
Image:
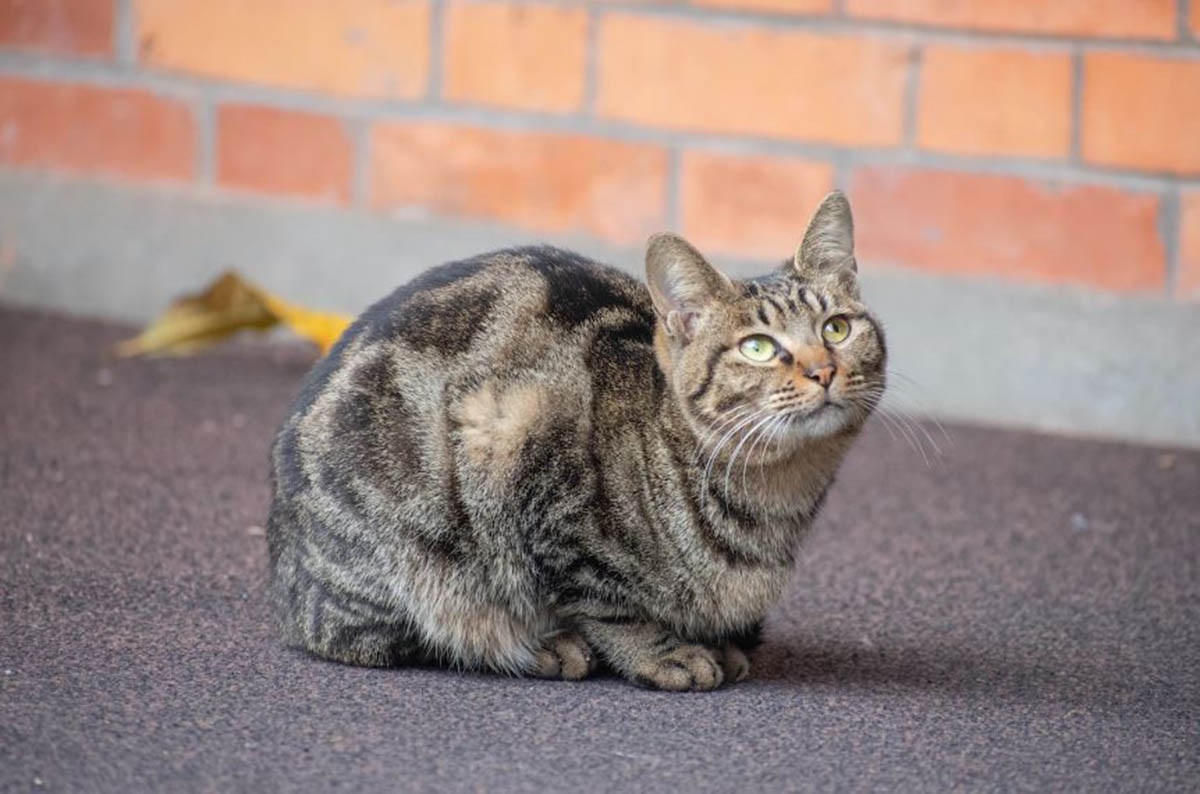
[794, 353]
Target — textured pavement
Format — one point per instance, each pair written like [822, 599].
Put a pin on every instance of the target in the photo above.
[1022, 614]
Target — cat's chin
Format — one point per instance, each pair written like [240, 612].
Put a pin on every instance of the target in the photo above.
[826, 420]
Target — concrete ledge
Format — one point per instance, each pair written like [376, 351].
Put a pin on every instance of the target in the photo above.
[1050, 359]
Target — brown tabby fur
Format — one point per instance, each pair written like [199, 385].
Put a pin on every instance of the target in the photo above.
[530, 462]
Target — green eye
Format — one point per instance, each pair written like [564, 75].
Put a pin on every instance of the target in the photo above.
[836, 329]
[758, 348]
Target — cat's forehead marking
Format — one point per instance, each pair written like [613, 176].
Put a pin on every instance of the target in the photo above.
[781, 297]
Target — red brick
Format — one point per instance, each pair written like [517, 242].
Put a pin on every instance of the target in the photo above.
[1122, 19]
[540, 181]
[265, 150]
[752, 206]
[751, 80]
[67, 27]
[994, 101]
[358, 48]
[773, 6]
[1189, 246]
[982, 225]
[1141, 112]
[1195, 20]
[520, 55]
[85, 129]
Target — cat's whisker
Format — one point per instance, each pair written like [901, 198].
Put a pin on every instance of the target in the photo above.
[738, 448]
[908, 428]
[775, 431]
[915, 426]
[903, 425]
[906, 388]
[705, 435]
[915, 423]
[714, 431]
[768, 435]
[724, 440]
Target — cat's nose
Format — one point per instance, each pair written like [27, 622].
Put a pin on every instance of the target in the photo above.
[822, 374]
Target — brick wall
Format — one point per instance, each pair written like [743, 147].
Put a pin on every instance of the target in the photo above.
[1053, 142]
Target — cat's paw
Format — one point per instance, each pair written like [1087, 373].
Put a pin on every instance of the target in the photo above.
[566, 656]
[688, 667]
[734, 663]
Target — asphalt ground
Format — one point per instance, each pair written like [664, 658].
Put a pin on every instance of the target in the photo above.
[1022, 613]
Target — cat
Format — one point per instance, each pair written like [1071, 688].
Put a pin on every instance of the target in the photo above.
[531, 463]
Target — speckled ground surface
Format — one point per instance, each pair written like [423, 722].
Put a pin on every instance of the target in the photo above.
[1021, 614]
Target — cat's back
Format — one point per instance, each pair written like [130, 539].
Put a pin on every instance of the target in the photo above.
[499, 321]
[500, 310]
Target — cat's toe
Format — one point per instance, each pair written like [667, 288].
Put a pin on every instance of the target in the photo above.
[575, 656]
[566, 656]
[688, 667]
[734, 663]
[546, 664]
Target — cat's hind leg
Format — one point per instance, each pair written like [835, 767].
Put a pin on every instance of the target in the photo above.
[374, 645]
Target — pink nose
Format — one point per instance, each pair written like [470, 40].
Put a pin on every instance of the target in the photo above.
[822, 375]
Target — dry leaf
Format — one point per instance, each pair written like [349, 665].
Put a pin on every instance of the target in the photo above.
[230, 304]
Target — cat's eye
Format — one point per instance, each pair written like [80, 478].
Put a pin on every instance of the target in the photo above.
[758, 348]
[836, 329]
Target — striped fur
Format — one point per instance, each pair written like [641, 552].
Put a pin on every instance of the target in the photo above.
[529, 462]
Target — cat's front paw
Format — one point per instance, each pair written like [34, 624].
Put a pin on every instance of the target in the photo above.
[566, 656]
[688, 667]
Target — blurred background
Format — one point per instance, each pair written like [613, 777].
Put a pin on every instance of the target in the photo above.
[1025, 174]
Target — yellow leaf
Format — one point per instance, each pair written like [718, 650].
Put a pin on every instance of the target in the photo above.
[322, 328]
[230, 304]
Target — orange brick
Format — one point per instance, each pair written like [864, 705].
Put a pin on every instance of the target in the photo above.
[1196, 20]
[540, 181]
[749, 205]
[85, 129]
[1141, 112]
[1004, 226]
[359, 48]
[751, 80]
[774, 6]
[69, 27]
[519, 55]
[994, 101]
[1123, 19]
[264, 150]
[1189, 246]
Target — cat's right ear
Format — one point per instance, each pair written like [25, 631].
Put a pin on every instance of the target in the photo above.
[682, 283]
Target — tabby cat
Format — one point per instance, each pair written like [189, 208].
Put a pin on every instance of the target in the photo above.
[531, 463]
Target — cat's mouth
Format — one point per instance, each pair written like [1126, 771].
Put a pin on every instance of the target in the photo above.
[824, 418]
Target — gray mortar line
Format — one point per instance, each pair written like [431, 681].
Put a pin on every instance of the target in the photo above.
[674, 207]
[912, 96]
[1075, 149]
[125, 43]
[883, 28]
[206, 142]
[359, 131]
[843, 173]
[1168, 228]
[591, 77]
[437, 63]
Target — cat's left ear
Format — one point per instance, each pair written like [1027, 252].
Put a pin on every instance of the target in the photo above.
[682, 284]
[828, 247]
